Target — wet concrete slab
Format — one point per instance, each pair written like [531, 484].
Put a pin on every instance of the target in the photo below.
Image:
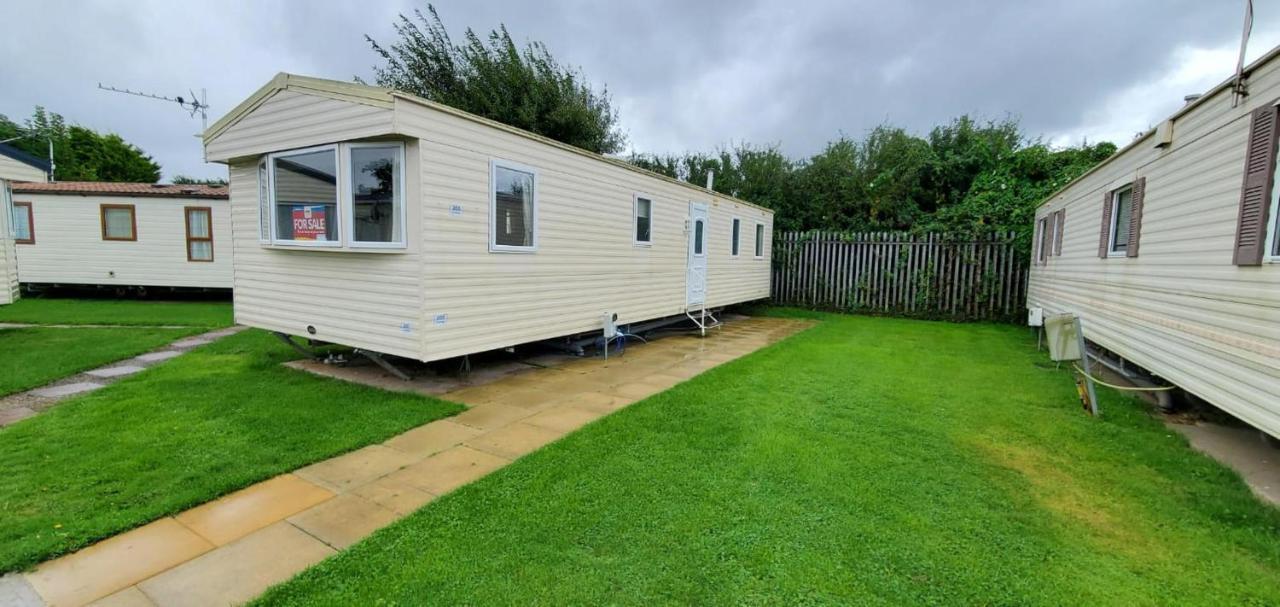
[65, 390]
[1242, 449]
[120, 371]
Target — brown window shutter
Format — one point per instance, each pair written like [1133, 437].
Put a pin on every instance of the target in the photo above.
[1135, 216]
[1255, 194]
[1057, 240]
[1106, 224]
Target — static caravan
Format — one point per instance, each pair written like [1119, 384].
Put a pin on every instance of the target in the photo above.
[15, 165]
[371, 218]
[137, 235]
[1169, 251]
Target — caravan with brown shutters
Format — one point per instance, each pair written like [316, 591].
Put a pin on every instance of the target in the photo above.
[1170, 249]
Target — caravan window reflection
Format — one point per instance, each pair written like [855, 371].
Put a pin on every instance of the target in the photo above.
[306, 196]
[513, 208]
[377, 194]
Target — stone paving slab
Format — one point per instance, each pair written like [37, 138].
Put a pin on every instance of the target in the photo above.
[16, 414]
[15, 591]
[120, 371]
[266, 533]
[236, 515]
[343, 520]
[65, 390]
[239, 571]
[359, 467]
[117, 563]
[129, 597]
[153, 357]
[191, 343]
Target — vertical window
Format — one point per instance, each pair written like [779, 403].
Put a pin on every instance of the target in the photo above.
[698, 234]
[1122, 207]
[1052, 234]
[377, 194]
[305, 196]
[118, 222]
[199, 233]
[643, 212]
[734, 236]
[264, 203]
[1273, 233]
[1042, 239]
[759, 240]
[513, 208]
[24, 223]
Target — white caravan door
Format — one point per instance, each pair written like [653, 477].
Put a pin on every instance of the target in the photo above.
[696, 276]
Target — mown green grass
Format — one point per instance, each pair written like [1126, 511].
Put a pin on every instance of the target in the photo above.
[54, 311]
[214, 420]
[35, 356]
[867, 461]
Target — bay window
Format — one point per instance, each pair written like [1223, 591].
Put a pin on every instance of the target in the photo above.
[347, 194]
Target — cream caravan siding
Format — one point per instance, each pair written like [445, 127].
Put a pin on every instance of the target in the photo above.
[8, 263]
[586, 263]
[288, 120]
[14, 170]
[69, 248]
[370, 300]
[1181, 308]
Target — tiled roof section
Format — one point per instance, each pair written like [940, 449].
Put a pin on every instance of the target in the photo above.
[103, 188]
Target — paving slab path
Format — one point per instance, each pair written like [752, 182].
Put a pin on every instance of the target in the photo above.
[230, 550]
[21, 405]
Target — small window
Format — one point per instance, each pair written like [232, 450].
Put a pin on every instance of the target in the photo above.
[513, 208]
[264, 203]
[698, 230]
[24, 223]
[643, 212]
[734, 237]
[1121, 208]
[377, 194]
[1053, 234]
[1042, 239]
[305, 195]
[118, 222]
[1273, 234]
[199, 234]
[759, 240]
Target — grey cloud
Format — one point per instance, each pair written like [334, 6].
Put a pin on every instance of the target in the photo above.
[687, 75]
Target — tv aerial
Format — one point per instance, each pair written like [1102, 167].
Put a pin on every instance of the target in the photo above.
[192, 104]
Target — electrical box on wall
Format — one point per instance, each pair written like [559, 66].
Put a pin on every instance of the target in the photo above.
[1035, 317]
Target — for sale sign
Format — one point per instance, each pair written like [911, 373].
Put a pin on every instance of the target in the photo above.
[309, 223]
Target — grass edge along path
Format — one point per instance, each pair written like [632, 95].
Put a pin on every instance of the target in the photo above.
[866, 460]
[117, 312]
[187, 431]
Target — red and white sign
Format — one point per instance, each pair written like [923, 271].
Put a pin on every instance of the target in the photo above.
[309, 223]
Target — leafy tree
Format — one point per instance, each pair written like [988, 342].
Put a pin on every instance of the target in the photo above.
[966, 178]
[212, 181]
[525, 88]
[80, 153]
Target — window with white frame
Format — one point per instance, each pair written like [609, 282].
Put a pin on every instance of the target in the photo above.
[735, 239]
[264, 202]
[304, 195]
[642, 212]
[1273, 228]
[759, 240]
[1052, 235]
[513, 207]
[1121, 209]
[376, 188]
[317, 196]
[1042, 239]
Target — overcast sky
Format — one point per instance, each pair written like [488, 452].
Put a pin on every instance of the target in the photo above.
[685, 75]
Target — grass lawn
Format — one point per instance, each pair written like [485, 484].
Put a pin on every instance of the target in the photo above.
[866, 461]
[215, 420]
[53, 311]
[36, 356]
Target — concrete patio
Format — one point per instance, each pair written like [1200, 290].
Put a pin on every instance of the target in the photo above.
[230, 550]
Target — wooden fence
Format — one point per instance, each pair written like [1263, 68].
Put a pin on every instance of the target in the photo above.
[929, 276]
